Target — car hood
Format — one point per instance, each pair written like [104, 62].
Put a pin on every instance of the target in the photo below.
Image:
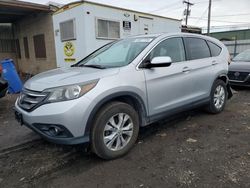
[239, 66]
[67, 76]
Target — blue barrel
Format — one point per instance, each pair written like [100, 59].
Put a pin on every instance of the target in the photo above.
[10, 74]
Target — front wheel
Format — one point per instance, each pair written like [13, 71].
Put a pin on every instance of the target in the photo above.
[218, 97]
[115, 130]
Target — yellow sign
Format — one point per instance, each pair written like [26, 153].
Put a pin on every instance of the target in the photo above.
[69, 59]
[69, 49]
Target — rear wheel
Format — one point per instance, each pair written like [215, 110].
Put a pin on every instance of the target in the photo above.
[218, 97]
[115, 130]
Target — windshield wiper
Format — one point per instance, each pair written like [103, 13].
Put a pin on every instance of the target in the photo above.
[93, 66]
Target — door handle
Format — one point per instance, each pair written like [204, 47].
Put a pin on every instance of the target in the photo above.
[186, 69]
[214, 62]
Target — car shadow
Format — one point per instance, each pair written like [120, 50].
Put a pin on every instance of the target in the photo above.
[82, 159]
[240, 88]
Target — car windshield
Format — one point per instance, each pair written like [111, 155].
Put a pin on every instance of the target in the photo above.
[116, 54]
[244, 56]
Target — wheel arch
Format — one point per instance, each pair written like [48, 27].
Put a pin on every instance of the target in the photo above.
[130, 98]
[225, 79]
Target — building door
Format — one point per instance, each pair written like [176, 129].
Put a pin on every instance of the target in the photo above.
[146, 25]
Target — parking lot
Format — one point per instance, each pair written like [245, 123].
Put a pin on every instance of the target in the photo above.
[193, 149]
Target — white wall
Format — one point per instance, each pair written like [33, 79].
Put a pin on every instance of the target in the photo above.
[86, 15]
[77, 14]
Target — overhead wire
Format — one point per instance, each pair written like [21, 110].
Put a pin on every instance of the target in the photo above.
[166, 7]
[201, 16]
[220, 20]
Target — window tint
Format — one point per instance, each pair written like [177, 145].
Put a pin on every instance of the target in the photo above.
[171, 47]
[108, 29]
[196, 48]
[215, 49]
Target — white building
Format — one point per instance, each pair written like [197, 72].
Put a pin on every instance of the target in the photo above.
[81, 27]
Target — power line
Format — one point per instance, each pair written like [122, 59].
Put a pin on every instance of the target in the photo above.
[201, 16]
[231, 15]
[166, 7]
[219, 20]
[169, 10]
[227, 26]
[205, 1]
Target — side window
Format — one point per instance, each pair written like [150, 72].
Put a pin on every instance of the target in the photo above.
[196, 48]
[173, 48]
[215, 49]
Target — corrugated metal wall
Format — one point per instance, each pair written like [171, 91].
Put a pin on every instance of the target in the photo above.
[236, 47]
[7, 43]
[231, 35]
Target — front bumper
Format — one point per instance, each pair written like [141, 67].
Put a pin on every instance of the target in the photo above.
[240, 83]
[245, 81]
[65, 141]
[69, 116]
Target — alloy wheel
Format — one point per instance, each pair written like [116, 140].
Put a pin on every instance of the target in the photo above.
[118, 131]
[219, 97]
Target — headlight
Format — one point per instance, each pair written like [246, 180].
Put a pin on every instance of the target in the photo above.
[70, 92]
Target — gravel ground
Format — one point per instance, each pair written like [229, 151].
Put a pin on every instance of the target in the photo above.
[11, 134]
[193, 149]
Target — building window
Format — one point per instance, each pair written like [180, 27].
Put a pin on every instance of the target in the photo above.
[67, 30]
[39, 45]
[7, 46]
[26, 47]
[108, 29]
[18, 51]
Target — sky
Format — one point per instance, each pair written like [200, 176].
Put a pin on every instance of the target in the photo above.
[225, 13]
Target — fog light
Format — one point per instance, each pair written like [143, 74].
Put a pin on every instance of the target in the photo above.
[54, 130]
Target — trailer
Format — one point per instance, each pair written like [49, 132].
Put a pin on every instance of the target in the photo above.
[81, 27]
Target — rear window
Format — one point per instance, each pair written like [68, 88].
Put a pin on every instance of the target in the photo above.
[196, 48]
[215, 49]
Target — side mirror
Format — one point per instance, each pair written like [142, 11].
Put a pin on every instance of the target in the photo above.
[163, 61]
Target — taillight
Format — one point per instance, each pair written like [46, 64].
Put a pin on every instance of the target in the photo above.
[1, 68]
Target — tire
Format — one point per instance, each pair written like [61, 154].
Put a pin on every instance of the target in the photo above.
[218, 97]
[115, 130]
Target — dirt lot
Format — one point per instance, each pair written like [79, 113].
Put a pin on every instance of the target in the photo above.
[194, 149]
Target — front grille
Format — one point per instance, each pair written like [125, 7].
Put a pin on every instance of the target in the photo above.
[29, 100]
[237, 76]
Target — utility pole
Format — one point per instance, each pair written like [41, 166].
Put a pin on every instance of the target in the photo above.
[209, 17]
[187, 10]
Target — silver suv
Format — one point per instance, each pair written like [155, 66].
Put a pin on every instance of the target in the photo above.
[105, 98]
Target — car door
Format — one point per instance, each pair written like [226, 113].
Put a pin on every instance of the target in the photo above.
[168, 87]
[203, 66]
